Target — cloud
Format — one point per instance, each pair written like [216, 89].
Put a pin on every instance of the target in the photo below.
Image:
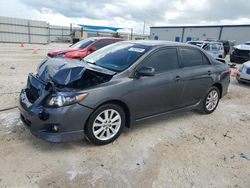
[132, 13]
[212, 11]
[105, 9]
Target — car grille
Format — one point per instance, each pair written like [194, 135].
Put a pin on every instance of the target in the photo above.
[244, 53]
[31, 92]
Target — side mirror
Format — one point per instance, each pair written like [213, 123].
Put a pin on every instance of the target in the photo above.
[145, 71]
[92, 49]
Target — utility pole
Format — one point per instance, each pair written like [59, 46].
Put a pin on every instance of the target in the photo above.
[131, 34]
[144, 23]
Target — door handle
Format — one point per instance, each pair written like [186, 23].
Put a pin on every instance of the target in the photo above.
[177, 78]
[209, 72]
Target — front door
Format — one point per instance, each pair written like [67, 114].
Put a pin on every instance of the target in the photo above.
[161, 92]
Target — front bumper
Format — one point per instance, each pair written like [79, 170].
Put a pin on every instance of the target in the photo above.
[70, 120]
[243, 77]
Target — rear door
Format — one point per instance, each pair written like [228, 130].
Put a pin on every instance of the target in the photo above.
[159, 93]
[196, 75]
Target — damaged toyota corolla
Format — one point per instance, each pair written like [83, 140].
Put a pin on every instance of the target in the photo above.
[117, 85]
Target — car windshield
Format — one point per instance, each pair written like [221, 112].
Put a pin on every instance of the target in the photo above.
[247, 43]
[118, 56]
[82, 44]
[212, 47]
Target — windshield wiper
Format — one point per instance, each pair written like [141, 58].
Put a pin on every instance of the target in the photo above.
[93, 63]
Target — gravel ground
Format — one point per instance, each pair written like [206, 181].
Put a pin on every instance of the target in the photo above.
[180, 150]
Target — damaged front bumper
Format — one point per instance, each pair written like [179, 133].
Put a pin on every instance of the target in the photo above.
[68, 120]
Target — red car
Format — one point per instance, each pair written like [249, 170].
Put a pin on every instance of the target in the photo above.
[83, 47]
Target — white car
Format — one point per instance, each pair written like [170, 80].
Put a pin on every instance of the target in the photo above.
[241, 53]
[243, 73]
[215, 49]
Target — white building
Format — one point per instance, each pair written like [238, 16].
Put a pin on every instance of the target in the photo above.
[234, 33]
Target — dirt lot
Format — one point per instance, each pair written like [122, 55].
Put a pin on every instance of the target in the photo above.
[180, 150]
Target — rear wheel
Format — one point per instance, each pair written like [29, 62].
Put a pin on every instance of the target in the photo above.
[211, 101]
[105, 124]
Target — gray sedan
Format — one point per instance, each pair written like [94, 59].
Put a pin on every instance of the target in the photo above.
[118, 85]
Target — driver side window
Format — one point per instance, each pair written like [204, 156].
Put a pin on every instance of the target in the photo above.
[163, 60]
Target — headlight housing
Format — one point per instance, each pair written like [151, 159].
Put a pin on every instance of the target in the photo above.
[65, 99]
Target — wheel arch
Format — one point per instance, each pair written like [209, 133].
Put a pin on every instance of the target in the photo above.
[219, 86]
[124, 106]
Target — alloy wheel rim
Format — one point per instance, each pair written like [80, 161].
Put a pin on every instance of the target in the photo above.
[107, 124]
[212, 100]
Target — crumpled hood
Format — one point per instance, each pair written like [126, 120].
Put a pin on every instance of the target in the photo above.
[242, 47]
[66, 71]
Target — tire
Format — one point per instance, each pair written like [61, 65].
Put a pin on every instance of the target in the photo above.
[240, 82]
[100, 128]
[214, 95]
[231, 59]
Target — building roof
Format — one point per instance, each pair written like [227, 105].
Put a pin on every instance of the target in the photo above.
[202, 26]
[154, 43]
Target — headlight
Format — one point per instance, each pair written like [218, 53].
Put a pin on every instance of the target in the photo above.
[64, 99]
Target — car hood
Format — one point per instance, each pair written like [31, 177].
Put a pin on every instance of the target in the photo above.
[67, 71]
[80, 53]
[62, 51]
[242, 47]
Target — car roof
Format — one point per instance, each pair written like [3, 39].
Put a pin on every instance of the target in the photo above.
[206, 42]
[159, 43]
[201, 41]
[105, 38]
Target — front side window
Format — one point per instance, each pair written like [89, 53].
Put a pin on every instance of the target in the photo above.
[118, 56]
[162, 60]
[191, 57]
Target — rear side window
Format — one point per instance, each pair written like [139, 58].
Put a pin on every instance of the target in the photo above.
[163, 60]
[192, 57]
[101, 43]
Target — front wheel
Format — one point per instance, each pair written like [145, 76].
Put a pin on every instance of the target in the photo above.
[211, 101]
[105, 124]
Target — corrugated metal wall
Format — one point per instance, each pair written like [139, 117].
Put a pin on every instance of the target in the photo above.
[60, 33]
[237, 34]
[21, 30]
[30, 31]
